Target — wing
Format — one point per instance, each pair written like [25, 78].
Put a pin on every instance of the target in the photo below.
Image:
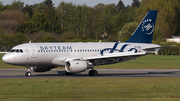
[109, 58]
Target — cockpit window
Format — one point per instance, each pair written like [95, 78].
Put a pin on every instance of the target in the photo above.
[16, 50]
[13, 50]
[21, 50]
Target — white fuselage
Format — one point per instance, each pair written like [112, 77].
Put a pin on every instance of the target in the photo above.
[42, 54]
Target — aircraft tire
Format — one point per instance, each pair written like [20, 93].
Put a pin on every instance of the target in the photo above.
[28, 74]
[93, 73]
[69, 73]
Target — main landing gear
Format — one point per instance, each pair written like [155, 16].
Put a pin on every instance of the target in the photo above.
[93, 73]
[28, 73]
[70, 74]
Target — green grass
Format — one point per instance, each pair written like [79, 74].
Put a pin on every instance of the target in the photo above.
[148, 62]
[90, 89]
[145, 62]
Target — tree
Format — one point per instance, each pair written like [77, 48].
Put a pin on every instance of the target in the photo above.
[176, 20]
[48, 3]
[107, 18]
[99, 6]
[28, 9]
[127, 31]
[166, 14]
[136, 3]
[48, 22]
[16, 5]
[66, 12]
[2, 7]
[38, 8]
[121, 6]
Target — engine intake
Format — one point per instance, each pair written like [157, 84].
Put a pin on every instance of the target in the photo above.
[76, 66]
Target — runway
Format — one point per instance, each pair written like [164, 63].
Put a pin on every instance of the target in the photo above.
[103, 73]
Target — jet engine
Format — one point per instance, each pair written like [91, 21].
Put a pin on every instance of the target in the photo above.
[76, 66]
[42, 68]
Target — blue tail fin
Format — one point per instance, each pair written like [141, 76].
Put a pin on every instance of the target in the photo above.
[144, 32]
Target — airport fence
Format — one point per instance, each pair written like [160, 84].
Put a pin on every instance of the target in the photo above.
[169, 51]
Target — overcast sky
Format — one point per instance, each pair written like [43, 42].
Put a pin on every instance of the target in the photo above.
[91, 3]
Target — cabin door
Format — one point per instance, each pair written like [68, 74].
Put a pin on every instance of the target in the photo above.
[33, 52]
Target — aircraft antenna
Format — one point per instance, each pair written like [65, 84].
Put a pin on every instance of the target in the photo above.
[30, 42]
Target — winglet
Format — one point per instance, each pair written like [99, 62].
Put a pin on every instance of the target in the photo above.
[144, 32]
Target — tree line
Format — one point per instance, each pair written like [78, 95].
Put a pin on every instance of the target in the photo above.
[43, 22]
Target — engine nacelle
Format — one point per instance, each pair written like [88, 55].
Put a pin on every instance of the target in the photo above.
[76, 66]
[42, 68]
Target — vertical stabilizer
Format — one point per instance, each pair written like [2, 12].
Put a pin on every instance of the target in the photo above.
[144, 32]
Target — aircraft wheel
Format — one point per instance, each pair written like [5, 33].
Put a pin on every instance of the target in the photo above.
[93, 73]
[69, 73]
[28, 74]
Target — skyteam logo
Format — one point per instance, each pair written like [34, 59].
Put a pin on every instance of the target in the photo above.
[125, 47]
[148, 26]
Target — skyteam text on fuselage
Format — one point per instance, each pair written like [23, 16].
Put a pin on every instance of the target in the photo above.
[78, 57]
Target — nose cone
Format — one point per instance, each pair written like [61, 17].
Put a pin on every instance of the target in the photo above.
[6, 58]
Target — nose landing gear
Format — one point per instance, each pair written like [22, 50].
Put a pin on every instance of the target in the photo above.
[28, 73]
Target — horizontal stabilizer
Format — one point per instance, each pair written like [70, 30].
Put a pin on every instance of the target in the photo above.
[158, 47]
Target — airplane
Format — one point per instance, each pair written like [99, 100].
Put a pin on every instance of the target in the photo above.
[79, 57]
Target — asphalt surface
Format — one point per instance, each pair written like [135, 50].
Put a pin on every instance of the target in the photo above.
[103, 73]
